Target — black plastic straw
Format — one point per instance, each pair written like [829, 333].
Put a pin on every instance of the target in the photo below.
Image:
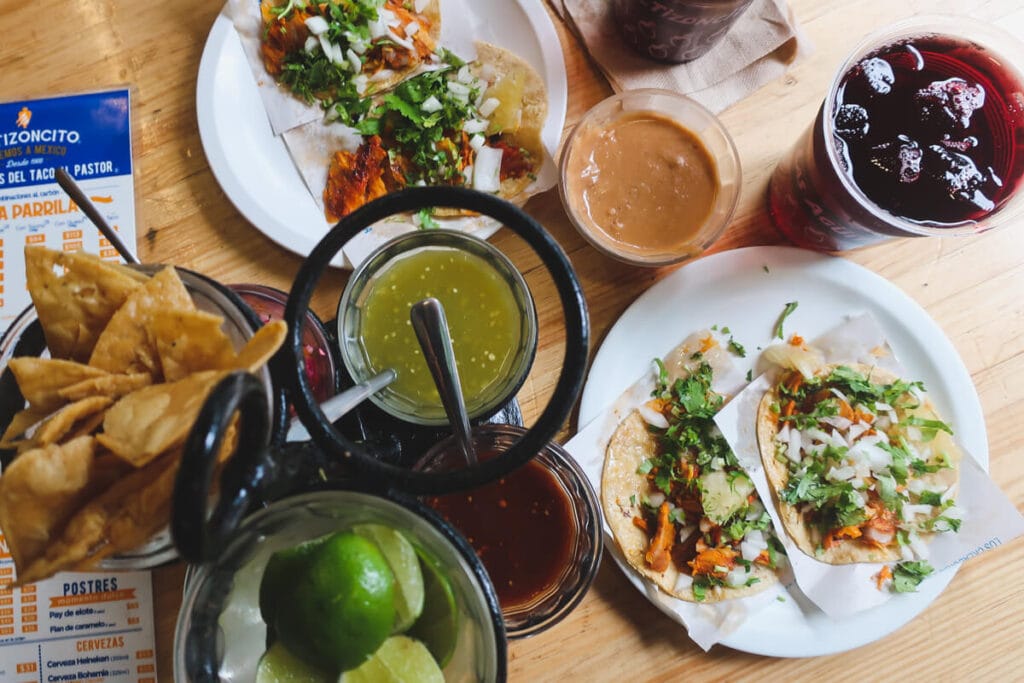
[75, 192]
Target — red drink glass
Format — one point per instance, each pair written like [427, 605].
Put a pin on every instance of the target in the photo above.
[922, 133]
[675, 30]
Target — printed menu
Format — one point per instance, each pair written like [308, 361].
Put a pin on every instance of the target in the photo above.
[89, 135]
[95, 626]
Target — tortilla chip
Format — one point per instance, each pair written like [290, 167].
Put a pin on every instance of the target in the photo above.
[125, 345]
[74, 306]
[39, 491]
[20, 423]
[85, 532]
[111, 386]
[154, 419]
[805, 535]
[41, 379]
[190, 341]
[262, 346]
[61, 423]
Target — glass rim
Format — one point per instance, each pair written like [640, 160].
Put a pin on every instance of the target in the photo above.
[952, 25]
[728, 200]
[391, 250]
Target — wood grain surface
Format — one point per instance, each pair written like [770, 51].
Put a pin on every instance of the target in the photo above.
[973, 288]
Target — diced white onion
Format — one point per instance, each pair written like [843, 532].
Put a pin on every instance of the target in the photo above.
[381, 75]
[431, 104]
[465, 76]
[856, 430]
[686, 532]
[488, 72]
[918, 546]
[487, 173]
[839, 473]
[837, 421]
[950, 493]
[338, 56]
[883, 423]
[379, 26]
[910, 511]
[488, 106]
[349, 138]
[652, 417]
[474, 126]
[476, 142]
[412, 29]
[737, 576]
[359, 44]
[420, 5]
[360, 82]
[752, 545]
[755, 510]
[806, 360]
[327, 46]
[317, 25]
[783, 435]
[840, 395]
[793, 447]
[656, 498]
[467, 174]
[311, 44]
[357, 64]
[883, 406]
[404, 42]
[459, 90]
[683, 582]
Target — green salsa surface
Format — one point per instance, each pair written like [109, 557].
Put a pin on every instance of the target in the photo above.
[483, 319]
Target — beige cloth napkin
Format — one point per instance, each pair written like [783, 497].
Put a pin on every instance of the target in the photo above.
[761, 45]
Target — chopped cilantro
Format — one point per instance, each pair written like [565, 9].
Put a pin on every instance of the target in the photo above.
[737, 348]
[907, 576]
[750, 375]
[425, 218]
[790, 307]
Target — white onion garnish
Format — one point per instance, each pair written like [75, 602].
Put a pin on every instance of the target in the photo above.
[379, 26]
[431, 104]
[840, 395]
[357, 64]
[683, 583]
[311, 44]
[950, 493]
[736, 577]
[910, 511]
[488, 106]
[360, 82]
[793, 447]
[349, 139]
[652, 417]
[656, 498]
[783, 435]
[359, 44]
[487, 176]
[474, 126]
[686, 532]
[465, 76]
[839, 473]
[806, 360]
[459, 91]
[467, 174]
[381, 75]
[317, 25]
[420, 5]
[837, 421]
[883, 406]
[476, 142]
[404, 42]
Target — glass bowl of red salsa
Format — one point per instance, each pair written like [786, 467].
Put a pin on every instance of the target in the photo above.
[537, 530]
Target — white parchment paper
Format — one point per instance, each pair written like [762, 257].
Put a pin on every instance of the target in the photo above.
[841, 590]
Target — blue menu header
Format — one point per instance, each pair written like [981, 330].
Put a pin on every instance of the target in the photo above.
[88, 135]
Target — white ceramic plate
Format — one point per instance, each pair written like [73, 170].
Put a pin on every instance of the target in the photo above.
[746, 290]
[253, 166]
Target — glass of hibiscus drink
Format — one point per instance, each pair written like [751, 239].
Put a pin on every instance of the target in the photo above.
[922, 133]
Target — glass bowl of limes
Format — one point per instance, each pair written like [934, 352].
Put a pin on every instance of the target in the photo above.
[341, 586]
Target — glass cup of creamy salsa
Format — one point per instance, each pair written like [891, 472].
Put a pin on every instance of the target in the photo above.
[490, 313]
[650, 177]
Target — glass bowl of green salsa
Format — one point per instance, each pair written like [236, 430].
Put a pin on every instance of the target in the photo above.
[490, 312]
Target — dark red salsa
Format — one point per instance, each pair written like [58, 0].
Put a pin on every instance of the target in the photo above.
[926, 132]
[521, 527]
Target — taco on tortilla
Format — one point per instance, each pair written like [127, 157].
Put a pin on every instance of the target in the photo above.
[477, 125]
[340, 51]
[862, 467]
[683, 512]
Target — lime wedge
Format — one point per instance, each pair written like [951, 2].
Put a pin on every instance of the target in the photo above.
[401, 556]
[278, 665]
[438, 625]
[399, 660]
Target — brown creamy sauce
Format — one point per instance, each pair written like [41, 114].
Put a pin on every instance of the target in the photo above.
[643, 181]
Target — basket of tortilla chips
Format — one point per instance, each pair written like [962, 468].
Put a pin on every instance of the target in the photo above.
[101, 381]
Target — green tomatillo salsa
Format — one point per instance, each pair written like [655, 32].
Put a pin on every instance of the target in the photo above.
[483, 318]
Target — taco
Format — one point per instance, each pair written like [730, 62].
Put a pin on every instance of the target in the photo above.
[683, 512]
[340, 51]
[862, 467]
[476, 125]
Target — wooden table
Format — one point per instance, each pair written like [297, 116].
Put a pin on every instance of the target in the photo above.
[974, 288]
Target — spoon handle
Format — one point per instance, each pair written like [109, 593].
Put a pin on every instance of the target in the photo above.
[342, 403]
[431, 326]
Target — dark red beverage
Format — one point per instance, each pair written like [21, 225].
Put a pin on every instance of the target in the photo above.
[921, 136]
